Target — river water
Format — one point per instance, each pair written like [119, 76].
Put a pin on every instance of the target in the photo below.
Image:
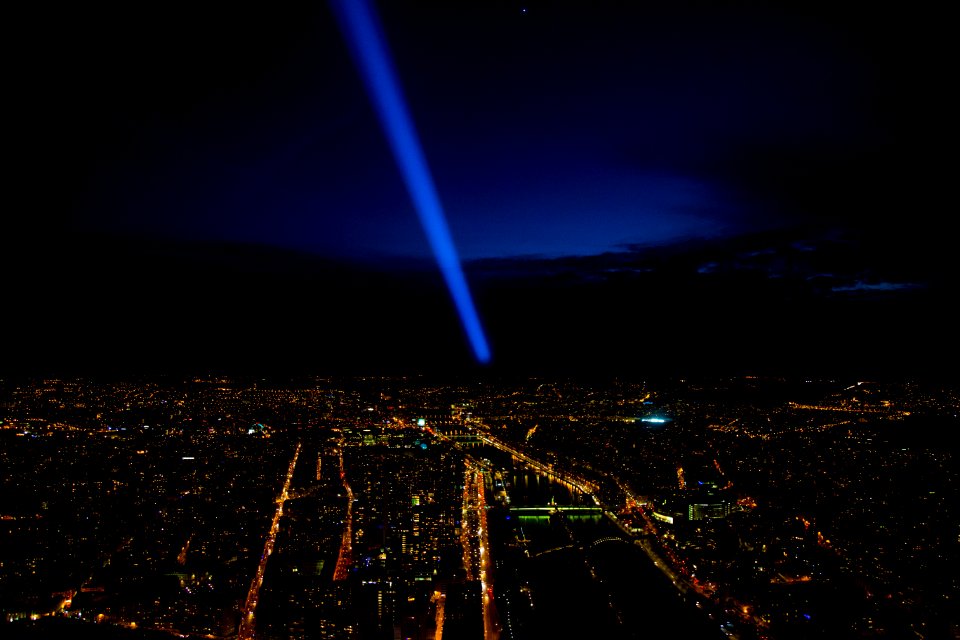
[573, 575]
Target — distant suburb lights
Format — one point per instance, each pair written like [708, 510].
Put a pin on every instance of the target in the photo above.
[368, 47]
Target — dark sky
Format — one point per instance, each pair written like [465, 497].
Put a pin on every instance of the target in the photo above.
[636, 187]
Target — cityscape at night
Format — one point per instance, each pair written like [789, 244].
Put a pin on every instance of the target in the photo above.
[499, 320]
[398, 507]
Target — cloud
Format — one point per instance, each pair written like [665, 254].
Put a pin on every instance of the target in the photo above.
[867, 287]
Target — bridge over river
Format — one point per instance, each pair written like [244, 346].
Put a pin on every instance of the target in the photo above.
[566, 568]
[568, 510]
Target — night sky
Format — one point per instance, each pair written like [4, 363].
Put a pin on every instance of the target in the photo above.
[636, 188]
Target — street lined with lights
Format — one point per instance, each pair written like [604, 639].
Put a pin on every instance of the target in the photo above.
[345, 557]
[246, 631]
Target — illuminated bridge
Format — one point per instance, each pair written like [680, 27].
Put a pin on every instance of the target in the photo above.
[461, 437]
[579, 510]
[566, 478]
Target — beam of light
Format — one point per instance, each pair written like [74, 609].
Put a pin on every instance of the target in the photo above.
[368, 47]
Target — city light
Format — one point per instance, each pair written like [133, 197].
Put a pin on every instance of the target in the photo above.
[480, 495]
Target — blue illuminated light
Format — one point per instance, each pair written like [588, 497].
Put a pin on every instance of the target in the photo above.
[655, 420]
[368, 47]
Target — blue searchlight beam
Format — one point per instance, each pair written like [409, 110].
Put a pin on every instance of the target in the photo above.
[368, 47]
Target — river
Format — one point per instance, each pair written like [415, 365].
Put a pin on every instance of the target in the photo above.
[573, 574]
